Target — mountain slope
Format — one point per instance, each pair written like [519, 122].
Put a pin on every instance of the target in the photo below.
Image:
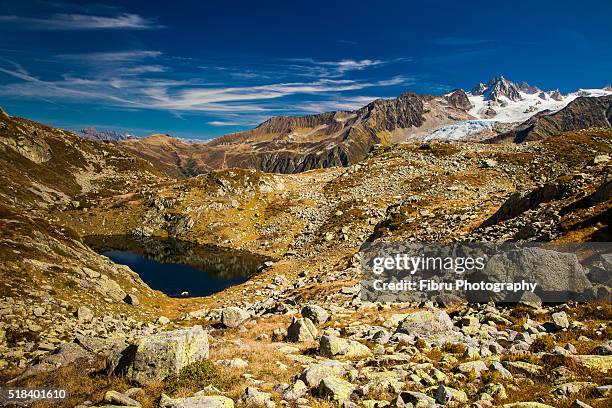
[44, 166]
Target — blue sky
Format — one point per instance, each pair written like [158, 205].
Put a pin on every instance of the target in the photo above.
[199, 69]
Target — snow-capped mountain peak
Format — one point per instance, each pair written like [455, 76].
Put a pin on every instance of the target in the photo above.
[501, 103]
[504, 101]
[499, 87]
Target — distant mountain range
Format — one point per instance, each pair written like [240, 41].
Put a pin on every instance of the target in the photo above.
[499, 110]
[103, 135]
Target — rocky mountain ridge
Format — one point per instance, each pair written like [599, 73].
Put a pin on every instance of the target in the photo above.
[297, 144]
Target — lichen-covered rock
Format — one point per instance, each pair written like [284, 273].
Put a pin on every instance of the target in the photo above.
[524, 368]
[571, 388]
[560, 320]
[205, 401]
[68, 353]
[233, 363]
[155, 357]
[495, 390]
[472, 366]
[336, 388]
[233, 317]
[301, 330]
[316, 313]
[383, 381]
[313, 374]
[417, 399]
[84, 314]
[254, 398]
[106, 287]
[426, 323]
[131, 299]
[444, 395]
[332, 346]
[559, 274]
[296, 391]
[604, 349]
[602, 364]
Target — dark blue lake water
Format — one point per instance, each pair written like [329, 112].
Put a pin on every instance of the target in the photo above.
[175, 267]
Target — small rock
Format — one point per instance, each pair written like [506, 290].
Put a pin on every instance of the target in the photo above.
[131, 299]
[254, 398]
[331, 346]
[234, 363]
[426, 323]
[417, 399]
[38, 311]
[117, 398]
[472, 366]
[560, 320]
[84, 314]
[444, 395]
[601, 158]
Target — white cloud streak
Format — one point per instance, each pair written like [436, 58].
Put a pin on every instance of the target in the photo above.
[117, 56]
[70, 22]
[223, 123]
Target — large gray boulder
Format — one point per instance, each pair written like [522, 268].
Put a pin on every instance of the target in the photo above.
[559, 275]
[313, 374]
[426, 323]
[106, 287]
[157, 356]
[233, 317]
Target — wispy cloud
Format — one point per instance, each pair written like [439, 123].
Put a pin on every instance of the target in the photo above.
[352, 65]
[228, 94]
[69, 22]
[315, 68]
[459, 41]
[223, 123]
[347, 42]
[115, 56]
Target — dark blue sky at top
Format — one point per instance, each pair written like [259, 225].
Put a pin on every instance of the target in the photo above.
[199, 69]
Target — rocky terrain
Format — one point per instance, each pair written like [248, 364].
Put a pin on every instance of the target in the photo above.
[298, 333]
